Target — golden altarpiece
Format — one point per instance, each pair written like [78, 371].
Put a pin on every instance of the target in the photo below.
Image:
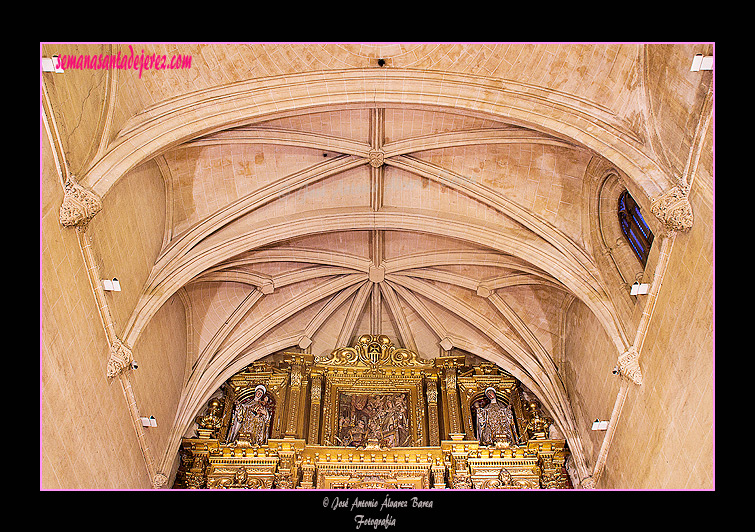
[372, 416]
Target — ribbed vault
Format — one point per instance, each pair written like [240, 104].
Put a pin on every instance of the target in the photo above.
[456, 198]
[460, 233]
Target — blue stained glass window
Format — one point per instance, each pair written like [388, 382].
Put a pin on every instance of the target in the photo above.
[634, 227]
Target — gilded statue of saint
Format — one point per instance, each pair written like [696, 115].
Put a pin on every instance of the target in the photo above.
[251, 419]
[495, 422]
[538, 426]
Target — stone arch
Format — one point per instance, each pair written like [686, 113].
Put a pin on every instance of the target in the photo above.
[542, 255]
[618, 265]
[180, 119]
[616, 247]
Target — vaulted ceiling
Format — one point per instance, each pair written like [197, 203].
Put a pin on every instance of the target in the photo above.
[417, 224]
[441, 199]
[438, 229]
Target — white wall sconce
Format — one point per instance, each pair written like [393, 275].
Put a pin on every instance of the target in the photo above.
[599, 425]
[48, 65]
[639, 288]
[149, 421]
[111, 285]
[701, 62]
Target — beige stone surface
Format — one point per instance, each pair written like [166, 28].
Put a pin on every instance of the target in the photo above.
[243, 215]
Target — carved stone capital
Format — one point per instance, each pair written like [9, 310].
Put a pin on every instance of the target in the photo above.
[79, 204]
[674, 210]
[304, 342]
[588, 483]
[159, 481]
[446, 344]
[120, 358]
[629, 365]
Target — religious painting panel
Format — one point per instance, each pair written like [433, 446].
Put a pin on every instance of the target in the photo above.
[378, 417]
[359, 411]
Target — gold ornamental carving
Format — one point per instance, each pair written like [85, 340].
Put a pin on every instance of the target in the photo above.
[373, 352]
[371, 416]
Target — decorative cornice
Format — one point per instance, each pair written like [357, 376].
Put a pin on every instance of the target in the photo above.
[120, 358]
[674, 210]
[79, 204]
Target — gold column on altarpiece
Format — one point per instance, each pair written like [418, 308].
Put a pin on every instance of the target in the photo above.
[296, 401]
[452, 418]
[431, 384]
[315, 400]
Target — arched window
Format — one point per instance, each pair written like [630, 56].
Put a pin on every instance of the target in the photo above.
[633, 225]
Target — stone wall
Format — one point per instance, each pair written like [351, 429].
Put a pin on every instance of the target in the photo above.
[87, 434]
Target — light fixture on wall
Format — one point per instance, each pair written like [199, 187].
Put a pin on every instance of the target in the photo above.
[149, 421]
[639, 288]
[111, 285]
[599, 425]
[48, 65]
[701, 62]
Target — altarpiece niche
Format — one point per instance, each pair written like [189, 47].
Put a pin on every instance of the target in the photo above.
[251, 416]
[380, 417]
[372, 415]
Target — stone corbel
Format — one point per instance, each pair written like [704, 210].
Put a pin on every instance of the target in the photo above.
[79, 204]
[674, 210]
[120, 359]
[629, 365]
[159, 481]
